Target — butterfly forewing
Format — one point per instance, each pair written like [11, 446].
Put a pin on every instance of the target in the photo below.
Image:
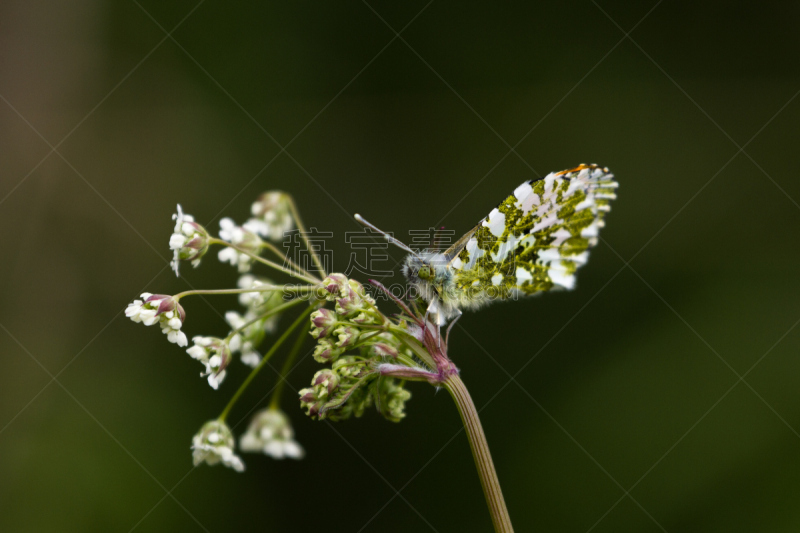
[537, 238]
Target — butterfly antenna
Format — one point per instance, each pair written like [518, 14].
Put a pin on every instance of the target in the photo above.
[388, 237]
[437, 238]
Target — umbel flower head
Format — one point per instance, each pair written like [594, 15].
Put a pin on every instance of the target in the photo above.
[273, 215]
[189, 240]
[215, 354]
[355, 382]
[162, 309]
[213, 444]
[271, 433]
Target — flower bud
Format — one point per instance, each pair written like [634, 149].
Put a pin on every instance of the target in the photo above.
[323, 321]
[367, 317]
[310, 402]
[326, 351]
[348, 367]
[392, 399]
[348, 336]
[382, 349]
[350, 303]
[333, 285]
[323, 318]
[325, 383]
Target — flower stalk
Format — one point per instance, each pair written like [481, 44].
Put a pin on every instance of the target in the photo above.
[299, 320]
[258, 258]
[480, 451]
[303, 234]
[288, 364]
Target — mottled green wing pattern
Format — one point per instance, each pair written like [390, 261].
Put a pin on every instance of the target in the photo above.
[536, 239]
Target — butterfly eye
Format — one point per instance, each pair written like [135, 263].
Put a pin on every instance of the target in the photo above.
[424, 272]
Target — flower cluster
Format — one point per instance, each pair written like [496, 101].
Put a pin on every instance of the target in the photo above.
[353, 382]
[249, 330]
[213, 444]
[271, 433]
[189, 240]
[244, 238]
[368, 356]
[162, 309]
[273, 215]
[215, 354]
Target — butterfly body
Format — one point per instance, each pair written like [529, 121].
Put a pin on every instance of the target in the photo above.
[534, 241]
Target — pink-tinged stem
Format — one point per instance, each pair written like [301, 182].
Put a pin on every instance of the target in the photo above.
[406, 372]
[480, 451]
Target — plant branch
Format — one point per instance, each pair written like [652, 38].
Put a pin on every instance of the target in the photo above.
[274, 249]
[260, 288]
[267, 262]
[300, 319]
[286, 368]
[274, 311]
[301, 228]
[480, 451]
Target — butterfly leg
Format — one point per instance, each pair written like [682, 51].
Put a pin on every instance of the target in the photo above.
[447, 335]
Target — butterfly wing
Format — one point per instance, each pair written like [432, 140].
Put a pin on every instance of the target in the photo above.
[536, 239]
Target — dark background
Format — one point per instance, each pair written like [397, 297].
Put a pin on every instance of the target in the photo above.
[661, 395]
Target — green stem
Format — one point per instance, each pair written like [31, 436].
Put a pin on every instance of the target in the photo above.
[480, 451]
[274, 311]
[285, 369]
[267, 262]
[274, 249]
[414, 345]
[300, 228]
[300, 319]
[260, 288]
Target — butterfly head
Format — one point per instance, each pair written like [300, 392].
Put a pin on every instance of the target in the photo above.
[428, 274]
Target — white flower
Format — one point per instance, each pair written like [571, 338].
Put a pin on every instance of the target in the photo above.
[189, 240]
[273, 215]
[140, 312]
[214, 371]
[213, 444]
[271, 433]
[251, 358]
[248, 338]
[171, 327]
[215, 354]
[162, 309]
[260, 301]
[251, 299]
[244, 238]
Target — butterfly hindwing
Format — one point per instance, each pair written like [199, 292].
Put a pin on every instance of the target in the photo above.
[535, 239]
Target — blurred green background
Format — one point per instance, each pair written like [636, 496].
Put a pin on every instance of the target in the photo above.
[626, 411]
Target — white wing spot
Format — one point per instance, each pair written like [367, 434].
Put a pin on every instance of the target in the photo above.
[523, 191]
[496, 222]
[560, 277]
[523, 276]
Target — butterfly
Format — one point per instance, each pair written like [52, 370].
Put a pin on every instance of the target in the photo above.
[533, 241]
